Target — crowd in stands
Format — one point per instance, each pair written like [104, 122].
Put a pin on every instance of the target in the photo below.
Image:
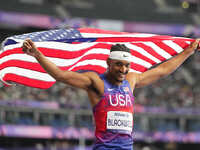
[65, 95]
[181, 89]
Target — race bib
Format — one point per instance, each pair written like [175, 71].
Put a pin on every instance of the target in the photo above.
[117, 120]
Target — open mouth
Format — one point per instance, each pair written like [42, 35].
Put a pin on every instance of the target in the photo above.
[121, 75]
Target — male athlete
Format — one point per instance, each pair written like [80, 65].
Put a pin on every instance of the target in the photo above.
[111, 94]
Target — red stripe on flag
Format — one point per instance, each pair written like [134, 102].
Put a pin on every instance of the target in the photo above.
[58, 53]
[141, 56]
[165, 47]
[150, 51]
[67, 54]
[138, 67]
[38, 68]
[181, 43]
[27, 81]
[11, 51]
[22, 64]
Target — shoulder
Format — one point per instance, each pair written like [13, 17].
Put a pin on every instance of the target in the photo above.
[94, 76]
[91, 74]
[97, 86]
[132, 78]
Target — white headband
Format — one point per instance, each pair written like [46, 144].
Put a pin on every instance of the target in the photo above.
[120, 55]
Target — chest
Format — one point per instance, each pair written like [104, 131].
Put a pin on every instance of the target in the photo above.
[118, 96]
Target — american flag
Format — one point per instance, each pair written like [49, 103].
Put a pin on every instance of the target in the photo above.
[80, 50]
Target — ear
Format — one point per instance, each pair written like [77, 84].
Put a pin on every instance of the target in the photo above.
[108, 61]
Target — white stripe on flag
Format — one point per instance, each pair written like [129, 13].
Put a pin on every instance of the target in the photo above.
[141, 62]
[143, 52]
[173, 45]
[22, 57]
[56, 45]
[27, 73]
[159, 50]
[58, 61]
[66, 46]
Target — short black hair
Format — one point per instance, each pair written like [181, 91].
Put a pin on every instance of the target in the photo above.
[119, 47]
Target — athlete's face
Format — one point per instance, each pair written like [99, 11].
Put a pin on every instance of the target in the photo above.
[118, 69]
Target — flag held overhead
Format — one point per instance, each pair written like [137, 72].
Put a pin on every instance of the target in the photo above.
[82, 49]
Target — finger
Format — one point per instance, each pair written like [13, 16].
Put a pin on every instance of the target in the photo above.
[31, 43]
[195, 44]
[26, 48]
[25, 42]
[198, 43]
[27, 45]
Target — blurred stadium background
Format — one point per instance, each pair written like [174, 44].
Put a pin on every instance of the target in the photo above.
[167, 114]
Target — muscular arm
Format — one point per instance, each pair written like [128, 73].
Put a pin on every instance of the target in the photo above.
[80, 80]
[165, 68]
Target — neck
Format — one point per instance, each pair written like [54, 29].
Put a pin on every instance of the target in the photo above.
[112, 80]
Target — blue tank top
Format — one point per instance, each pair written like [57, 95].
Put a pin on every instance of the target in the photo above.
[114, 117]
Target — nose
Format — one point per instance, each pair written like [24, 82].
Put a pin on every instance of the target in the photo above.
[123, 69]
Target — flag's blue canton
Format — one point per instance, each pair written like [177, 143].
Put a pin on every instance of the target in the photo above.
[59, 35]
[51, 35]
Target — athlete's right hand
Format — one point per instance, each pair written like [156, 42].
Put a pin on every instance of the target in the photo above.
[29, 48]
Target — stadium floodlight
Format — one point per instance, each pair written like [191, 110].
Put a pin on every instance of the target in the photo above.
[191, 6]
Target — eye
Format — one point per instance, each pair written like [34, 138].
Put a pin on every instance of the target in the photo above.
[128, 65]
[119, 64]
